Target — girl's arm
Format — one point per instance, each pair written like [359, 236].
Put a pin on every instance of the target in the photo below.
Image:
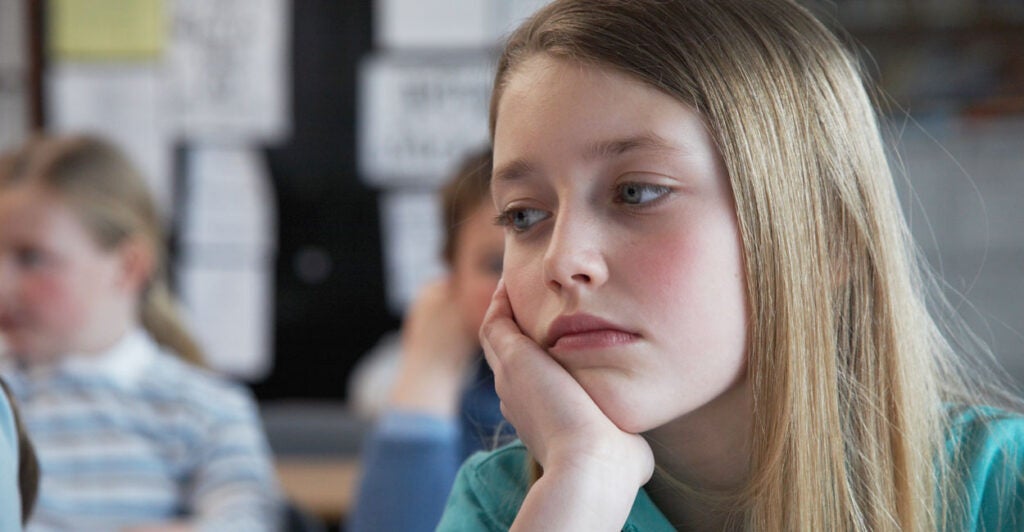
[234, 485]
[592, 469]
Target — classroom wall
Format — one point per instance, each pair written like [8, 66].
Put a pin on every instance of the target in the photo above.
[963, 194]
[340, 268]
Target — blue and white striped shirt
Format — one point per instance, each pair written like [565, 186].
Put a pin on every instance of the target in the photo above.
[136, 436]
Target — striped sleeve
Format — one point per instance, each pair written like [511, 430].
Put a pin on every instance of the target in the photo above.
[233, 484]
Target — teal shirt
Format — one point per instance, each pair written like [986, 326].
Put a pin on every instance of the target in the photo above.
[988, 447]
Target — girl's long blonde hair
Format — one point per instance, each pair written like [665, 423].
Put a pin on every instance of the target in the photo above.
[114, 204]
[851, 378]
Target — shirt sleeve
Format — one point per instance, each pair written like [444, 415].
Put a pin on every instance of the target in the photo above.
[995, 475]
[409, 464]
[465, 510]
[488, 491]
[235, 485]
[10, 496]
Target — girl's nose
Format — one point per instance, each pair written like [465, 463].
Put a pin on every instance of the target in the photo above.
[574, 258]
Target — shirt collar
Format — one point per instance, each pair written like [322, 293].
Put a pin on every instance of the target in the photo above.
[123, 363]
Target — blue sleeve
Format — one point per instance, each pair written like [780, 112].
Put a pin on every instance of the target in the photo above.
[10, 497]
[409, 464]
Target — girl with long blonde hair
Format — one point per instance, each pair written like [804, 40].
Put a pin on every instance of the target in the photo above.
[711, 314]
[131, 432]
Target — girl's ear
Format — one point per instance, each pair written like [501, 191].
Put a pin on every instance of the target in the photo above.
[137, 262]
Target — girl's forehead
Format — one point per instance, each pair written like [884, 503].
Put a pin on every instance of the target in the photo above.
[558, 109]
[539, 69]
[31, 211]
[558, 87]
[27, 198]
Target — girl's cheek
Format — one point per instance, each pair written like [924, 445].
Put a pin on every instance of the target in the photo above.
[53, 302]
[525, 294]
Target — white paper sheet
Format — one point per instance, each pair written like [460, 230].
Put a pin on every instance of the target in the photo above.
[409, 24]
[430, 23]
[226, 263]
[124, 102]
[230, 313]
[228, 64]
[411, 233]
[228, 197]
[419, 115]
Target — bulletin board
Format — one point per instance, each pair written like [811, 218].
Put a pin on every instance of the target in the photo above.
[329, 302]
[330, 296]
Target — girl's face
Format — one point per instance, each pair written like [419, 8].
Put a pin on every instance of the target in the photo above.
[55, 282]
[622, 252]
[476, 265]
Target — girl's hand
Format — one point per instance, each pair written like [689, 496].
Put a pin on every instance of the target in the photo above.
[436, 353]
[592, 469]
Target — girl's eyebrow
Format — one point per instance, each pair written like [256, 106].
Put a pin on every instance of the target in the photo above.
[612, 148]
[512, 171]
[604, 149]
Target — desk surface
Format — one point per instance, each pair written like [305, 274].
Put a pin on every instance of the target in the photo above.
[324, 487]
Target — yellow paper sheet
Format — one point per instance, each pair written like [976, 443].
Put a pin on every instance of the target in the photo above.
[102, 29]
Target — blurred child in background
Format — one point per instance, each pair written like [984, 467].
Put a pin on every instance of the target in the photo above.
[442, 406]
[131, 432]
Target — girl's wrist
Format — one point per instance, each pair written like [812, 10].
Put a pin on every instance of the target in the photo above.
[628, 467]
[579, 495]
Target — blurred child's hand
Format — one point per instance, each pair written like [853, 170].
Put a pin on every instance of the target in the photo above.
[436, 352]
[587, 459]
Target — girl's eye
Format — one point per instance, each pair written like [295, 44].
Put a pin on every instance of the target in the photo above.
[639, 193]
[521, 219]
[29, 257]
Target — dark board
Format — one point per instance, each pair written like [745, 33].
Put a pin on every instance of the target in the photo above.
[325, 321]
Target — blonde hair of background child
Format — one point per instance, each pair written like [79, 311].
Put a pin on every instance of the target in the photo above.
[114, 204]
[851, 377]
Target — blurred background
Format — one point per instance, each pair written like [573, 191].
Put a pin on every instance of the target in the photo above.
[295, 147]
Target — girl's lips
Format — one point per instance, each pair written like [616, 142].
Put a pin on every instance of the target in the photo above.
[579, 331]
[593, 339]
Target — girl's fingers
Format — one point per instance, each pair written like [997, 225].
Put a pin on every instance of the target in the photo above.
[538, 396]
[511, 354]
